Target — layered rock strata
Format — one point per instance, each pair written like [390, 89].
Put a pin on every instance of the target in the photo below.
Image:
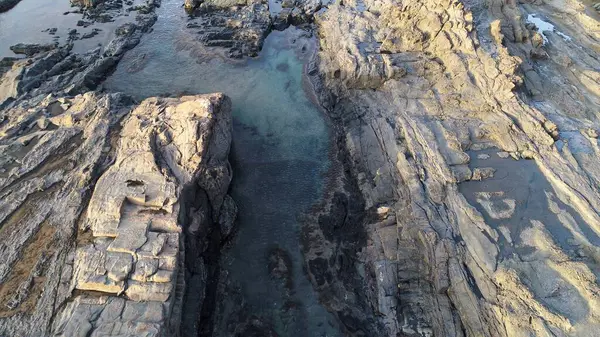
[130, 275]
[237, 28]
[111, 264]
[473, 156]
[53, 147]
[96, 193]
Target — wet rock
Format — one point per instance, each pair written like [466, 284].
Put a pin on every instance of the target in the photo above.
[538, 54]
[482, 173]
[82, 23]
[51, 31]
[226, 3]
[228, 216]
[298, 17]
[235, 31]
[283, 19]
[91, 34]
[5, 5]
[31, 49]
[86, 3]
[280, 266]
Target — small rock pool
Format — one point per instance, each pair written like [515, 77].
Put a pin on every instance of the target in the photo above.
[280, 155]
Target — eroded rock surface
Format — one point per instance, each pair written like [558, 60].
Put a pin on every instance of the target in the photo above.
[166, 146]
[465, 200]
[473, 154]
[238, 28]
[112, 263]
[95, 194]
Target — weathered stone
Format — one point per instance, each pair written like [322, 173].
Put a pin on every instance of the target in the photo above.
[133, 246]
[5, 5]
[31, 49]
[412, 87]
[239, 31]
[228, 216]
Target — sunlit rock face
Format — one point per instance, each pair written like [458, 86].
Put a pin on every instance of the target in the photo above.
[473, 124]
[95, 197]
[165, 147]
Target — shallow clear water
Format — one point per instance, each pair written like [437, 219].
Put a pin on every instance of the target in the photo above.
[280, 154]
[544, 26]
[522, 182]
[27, 21]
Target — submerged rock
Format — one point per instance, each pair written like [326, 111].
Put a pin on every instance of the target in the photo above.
[122, 253]
[31, 49]
[237, 28]
[280, 267]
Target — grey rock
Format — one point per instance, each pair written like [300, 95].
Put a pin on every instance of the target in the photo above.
[236, 32]
[31, 49]
[412, 90]
[228, 215]
[6, 5]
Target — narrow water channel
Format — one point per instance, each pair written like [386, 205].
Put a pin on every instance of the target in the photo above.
[280, 154]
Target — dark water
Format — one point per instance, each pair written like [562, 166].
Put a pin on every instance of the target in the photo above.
[280, 150]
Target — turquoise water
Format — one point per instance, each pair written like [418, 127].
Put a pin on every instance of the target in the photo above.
[280, 150]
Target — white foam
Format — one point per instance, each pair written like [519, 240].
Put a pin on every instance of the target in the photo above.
[544, 26]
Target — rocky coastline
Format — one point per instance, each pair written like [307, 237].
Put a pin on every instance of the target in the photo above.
[420, 92]
[462, 198]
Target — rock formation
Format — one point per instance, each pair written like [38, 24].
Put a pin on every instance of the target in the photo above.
[464, 196]
[474, 159]
[95, 194]
[238, 27]
[165, 147]
[5, 5]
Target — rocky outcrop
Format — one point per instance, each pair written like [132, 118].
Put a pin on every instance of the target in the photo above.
[165, 147]
[31, 49]
[108, 262]
[48, 168]
[237, 28]
[473, 156]
[95, 195]
[62, 72]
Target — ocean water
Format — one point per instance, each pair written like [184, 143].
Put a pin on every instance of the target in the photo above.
[280, 155]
